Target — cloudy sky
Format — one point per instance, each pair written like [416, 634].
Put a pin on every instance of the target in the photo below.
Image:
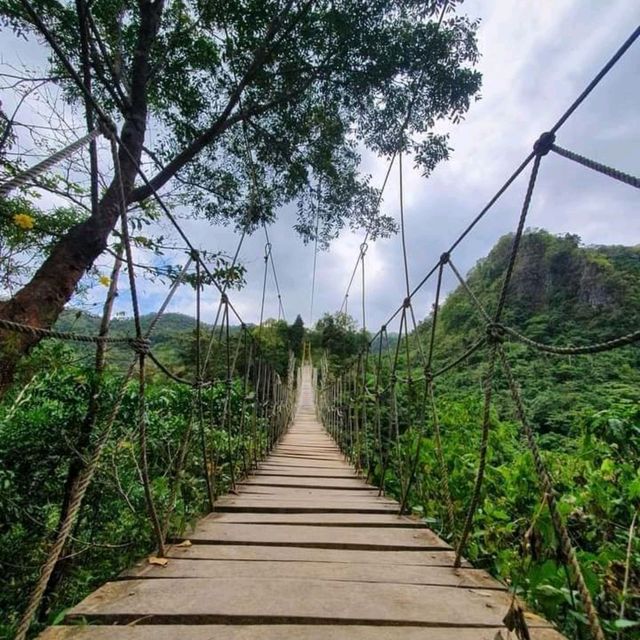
[536, 58]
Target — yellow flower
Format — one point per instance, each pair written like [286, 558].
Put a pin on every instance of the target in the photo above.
[105, 281]
[23, 220]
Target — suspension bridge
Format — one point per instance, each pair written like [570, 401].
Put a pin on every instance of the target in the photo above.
[305, 549]
[303, 545]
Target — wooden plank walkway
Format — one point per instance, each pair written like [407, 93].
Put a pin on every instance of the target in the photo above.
[306, 550]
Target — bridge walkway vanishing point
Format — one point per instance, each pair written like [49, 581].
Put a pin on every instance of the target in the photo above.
[305, 550]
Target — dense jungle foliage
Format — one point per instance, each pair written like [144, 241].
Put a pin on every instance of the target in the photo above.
[585, 410]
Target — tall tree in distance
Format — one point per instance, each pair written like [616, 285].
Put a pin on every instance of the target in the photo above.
[304, 84]
[296, 336]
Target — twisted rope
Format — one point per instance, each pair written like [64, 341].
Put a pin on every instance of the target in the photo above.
[444, 471]
[77, 494]
[459, 360]
[41, 332]
[597, 347]
[626, 178]
[167, 372]
[40, 168]
[484, 444]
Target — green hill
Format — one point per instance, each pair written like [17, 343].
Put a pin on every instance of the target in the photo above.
[562, 293]
[172, 339]
[169, 324]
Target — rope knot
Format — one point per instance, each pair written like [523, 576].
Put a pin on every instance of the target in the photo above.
[363, 248]
[194, 254]
[224, 298]
[108, 128]
[495, 333]
[142, 346]
[406, 303]
[444, 258]
[428, 374]
[543, 144]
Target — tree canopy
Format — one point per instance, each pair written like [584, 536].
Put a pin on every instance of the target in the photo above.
[242, 107]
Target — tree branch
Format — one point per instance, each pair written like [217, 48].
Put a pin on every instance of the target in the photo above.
[225, 120]
[121, 98]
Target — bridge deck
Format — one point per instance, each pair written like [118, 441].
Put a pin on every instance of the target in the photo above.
[306, 550]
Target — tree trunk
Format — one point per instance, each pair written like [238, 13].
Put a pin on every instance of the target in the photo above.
[40, 302]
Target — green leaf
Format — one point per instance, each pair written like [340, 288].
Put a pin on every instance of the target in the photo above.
[623, 623]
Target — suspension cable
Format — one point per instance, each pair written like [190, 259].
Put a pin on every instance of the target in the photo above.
[315, 255]
[281, 312]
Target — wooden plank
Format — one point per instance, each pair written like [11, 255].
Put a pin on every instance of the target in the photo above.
[320, 496]
[266, 469]
[255, 601]
[307, 463]
[336, 571]
[327, 500]
[311, 483]
[365, 538]
[440, 557]
[279, 631]
[308, 453]
[307, 448]
[303, 493]
[320, 520]
[226, 505]
[318, 503]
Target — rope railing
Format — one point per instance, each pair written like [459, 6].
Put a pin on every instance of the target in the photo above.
[273, 405]
[28, 175]
[371, 407]
[269, 399]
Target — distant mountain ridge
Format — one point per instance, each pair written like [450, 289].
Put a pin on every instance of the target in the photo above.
[169, 323]
[561, 293]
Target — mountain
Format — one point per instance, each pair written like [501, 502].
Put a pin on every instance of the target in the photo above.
[172, 338]
[82, 322]
[562, 293]
[559, 287]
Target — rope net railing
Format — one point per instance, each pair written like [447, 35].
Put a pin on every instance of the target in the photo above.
[385, 403]
[240, 404]
[235, 402]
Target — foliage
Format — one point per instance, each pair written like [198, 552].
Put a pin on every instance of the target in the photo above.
[26, 234]
[40, 423]
[296, 336]
[336, 334]
[314, 79]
